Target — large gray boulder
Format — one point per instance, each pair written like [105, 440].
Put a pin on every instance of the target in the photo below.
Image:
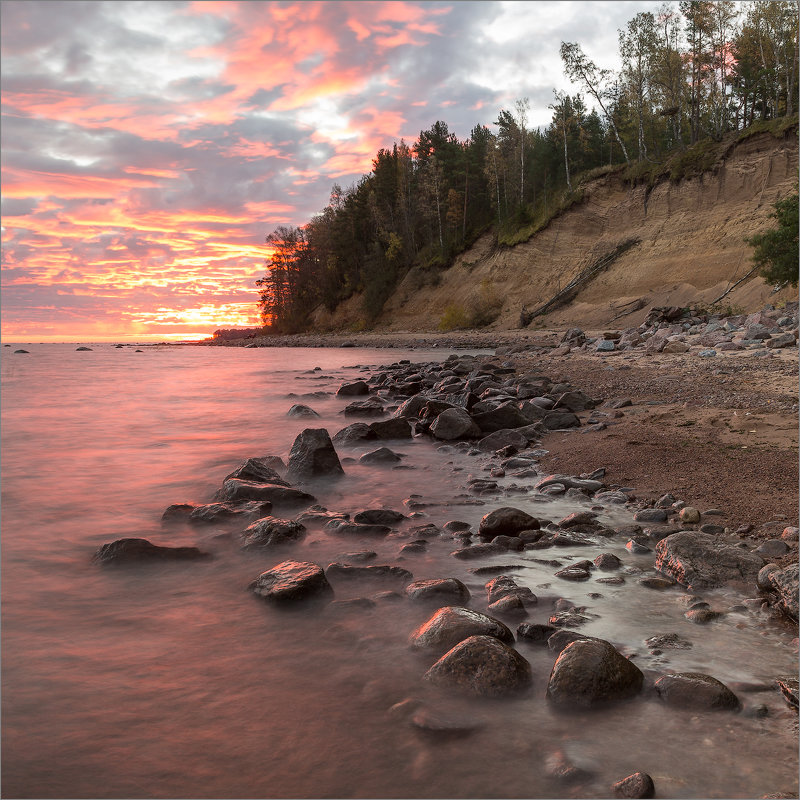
[591, 672]
[506, 521]
[271, 531]
[313, 456]
[454, 423]
[482, 666]
[291, 582]
[696, 691]
[701, 561]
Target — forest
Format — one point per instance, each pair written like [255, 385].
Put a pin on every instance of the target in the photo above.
[693, 75]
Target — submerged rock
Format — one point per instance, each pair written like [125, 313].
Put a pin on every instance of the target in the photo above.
[482, 666]
[124, 551]
[449, 590]
[235, 490]
[348, 571]
[452, 624]
[291, 582]
[640, 784]
[591, 672]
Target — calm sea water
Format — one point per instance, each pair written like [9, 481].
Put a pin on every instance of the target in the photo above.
[173, 681]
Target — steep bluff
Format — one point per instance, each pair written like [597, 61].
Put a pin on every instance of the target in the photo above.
[690, 248]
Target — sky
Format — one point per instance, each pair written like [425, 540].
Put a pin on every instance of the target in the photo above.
[149, 147]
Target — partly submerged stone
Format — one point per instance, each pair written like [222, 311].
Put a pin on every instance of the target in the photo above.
[292, 581]
[271, 531]
[449, 590]
[313, 456]
[591, 672]
[452, 624]
[482, 666]
[125, 551]
[506, 521]
[696, 691]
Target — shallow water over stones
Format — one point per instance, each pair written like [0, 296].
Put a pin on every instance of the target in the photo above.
[178, 667]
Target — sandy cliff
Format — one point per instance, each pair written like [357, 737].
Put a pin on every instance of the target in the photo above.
[690, 248]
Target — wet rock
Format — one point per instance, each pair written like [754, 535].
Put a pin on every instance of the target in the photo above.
[559, 767]
[654, 582]
[506, 521]
[79, 349]
[591, 672]
[454, 423]
[235, 490]
[365, 408]
[651, 515]
[456, 526]
[696, 691]
[501, 439]
[478, 551]
[300, 410]
[616, 581]
[258, 470]
[452, 624]
[378, 516]
[537, 633]
[578, 519]
[448, 590]
[411, 408]
[391, 429]
[702, 616]
[355, 434]
[180, 512]
[640, 784]
[607, 562]
[271, 531]
[383, 455]
[353, 389]
[784, 583]
[291, 582]
[21, 351]
[573, 573]
[131, 550]
[358, 556]
[371, 572]
[511, 605]
[346, 528]
[562, 637]
[790, 689]
[444, 723]
[668, 641]
[313, 456]
[482, 666]
[569, 482]
[500, 418]
[216, 513]
[699, 561]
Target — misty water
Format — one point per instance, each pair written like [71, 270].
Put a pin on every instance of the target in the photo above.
[172, 680]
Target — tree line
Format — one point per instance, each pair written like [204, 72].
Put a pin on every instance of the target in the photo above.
[692, 72]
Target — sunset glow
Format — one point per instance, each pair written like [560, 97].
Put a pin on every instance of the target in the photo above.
[149, 148]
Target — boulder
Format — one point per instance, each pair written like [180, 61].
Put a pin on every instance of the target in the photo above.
[299, 410]
[313, 456]
[355, 434]
[216, 513]
[506, 521]
[291, 582]
[591, 672]
[383, 455]
[125, 551]
[235, 490]
[452, 624]
[449, 590]
[353, 389]
[482, 666]
[391, 428]
[365, 408]
[696, 691]
[500, 418]
[454, 423]
[700, 561]
[271, 531]
[257, 470]
[411, 408]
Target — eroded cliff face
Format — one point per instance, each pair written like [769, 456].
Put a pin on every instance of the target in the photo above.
[691, 249]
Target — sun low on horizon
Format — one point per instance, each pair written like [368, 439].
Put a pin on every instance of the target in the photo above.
[149, 148]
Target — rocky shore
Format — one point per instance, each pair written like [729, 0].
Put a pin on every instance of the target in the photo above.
[504, 411]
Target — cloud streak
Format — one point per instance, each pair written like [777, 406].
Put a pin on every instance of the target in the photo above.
[149, 147]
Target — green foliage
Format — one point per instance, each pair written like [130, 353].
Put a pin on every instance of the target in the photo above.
[776, 250]
[485, 307]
